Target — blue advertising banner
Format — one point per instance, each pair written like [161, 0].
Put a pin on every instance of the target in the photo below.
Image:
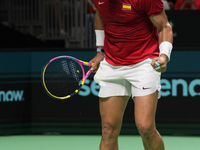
[26, 108]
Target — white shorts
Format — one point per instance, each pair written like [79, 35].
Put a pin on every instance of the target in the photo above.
[137, 80]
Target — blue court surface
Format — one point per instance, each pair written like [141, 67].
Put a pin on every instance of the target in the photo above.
[89, 142]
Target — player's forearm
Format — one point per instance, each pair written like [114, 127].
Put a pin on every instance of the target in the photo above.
[165, 41]
[99, 30]
[98, 21]
[166, 34]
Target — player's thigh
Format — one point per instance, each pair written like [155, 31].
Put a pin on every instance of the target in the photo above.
[112, 109]
[145, 110]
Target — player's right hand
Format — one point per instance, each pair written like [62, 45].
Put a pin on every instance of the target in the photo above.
[96, 61]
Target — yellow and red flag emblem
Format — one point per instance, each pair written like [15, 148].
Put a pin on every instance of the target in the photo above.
[126, 6]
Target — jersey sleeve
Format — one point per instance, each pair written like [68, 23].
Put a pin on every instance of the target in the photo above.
[151, 7]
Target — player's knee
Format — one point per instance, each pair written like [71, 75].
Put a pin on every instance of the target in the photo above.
[110, 130]
[146, 130]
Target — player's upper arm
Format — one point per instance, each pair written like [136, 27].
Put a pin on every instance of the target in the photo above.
[160, 21]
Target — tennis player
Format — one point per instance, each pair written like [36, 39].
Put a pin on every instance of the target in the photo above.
[135, 35]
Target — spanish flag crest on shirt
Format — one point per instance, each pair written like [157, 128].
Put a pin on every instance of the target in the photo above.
[126, 6]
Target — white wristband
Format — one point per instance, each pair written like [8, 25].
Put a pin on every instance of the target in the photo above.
[166, 48]
[100, 36]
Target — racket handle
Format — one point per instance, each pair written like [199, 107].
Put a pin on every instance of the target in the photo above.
[157, 65]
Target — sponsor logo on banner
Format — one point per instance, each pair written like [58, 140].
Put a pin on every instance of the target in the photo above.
[170, 87]
[12, 96]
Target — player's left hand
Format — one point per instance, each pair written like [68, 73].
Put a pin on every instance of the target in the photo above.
[162, 66]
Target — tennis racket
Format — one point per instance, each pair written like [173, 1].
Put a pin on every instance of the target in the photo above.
[63, 76]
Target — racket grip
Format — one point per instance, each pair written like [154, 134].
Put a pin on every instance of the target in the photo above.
[157, 65]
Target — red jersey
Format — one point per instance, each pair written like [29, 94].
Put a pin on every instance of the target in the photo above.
[130, 36]
[179, 3]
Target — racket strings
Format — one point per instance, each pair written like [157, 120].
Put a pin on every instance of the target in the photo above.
[62, 77]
